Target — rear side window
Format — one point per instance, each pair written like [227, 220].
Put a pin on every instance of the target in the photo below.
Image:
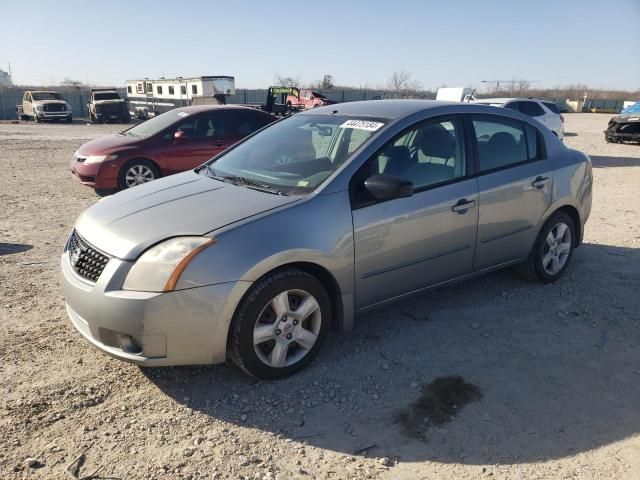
[552, 106]
[531, 108]
[503, 142]
[513, 106]
[245, 123]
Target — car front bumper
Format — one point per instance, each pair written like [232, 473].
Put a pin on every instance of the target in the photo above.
[153, 329]
[95, 175]
[52, 115]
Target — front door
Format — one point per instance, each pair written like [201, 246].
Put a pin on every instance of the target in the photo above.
[406, 244]
[515, 186]
[195, 141]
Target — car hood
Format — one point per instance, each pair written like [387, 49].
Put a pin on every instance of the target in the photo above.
[627, 117]
[127, 223]
[108, 144]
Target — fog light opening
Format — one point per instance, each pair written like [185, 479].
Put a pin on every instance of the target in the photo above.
[129, 345]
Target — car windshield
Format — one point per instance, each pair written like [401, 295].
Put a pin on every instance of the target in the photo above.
[635, 108]
[156, 124]
[294, 156]
[106, 96]
[46, 96]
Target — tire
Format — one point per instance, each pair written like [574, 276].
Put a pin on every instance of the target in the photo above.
[299, 338]
[138, 168]
[540, 265]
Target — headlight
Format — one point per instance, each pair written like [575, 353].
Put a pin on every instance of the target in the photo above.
[99, 158]
[160, 267]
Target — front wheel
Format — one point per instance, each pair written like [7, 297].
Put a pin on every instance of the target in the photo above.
[552, 251]
[137, 172]
[280, 325]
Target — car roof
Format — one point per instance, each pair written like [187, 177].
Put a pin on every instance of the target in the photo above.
[205, 108]
[390, 109]
[510, 99]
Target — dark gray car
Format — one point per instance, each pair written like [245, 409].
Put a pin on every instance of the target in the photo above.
[258, 253]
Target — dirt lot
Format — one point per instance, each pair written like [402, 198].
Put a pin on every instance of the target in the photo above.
[552, 372]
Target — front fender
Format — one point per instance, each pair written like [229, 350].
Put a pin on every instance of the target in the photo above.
[318, 231]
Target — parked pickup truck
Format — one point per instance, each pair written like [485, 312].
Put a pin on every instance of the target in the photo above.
[308, 99]
[106, 105]
[44, 105]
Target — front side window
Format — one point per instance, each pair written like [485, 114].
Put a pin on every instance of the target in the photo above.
[426, 155]
[502, 142]
[297, 154]
[212, 126]
[531, 108]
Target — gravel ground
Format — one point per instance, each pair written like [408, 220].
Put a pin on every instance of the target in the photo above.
[552, 371]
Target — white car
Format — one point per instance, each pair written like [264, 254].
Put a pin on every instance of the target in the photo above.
[544, 111]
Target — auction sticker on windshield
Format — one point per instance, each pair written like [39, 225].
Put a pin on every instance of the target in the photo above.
[362, 125]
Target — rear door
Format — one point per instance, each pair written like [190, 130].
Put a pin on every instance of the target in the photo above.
[405, 244]
[515, 188]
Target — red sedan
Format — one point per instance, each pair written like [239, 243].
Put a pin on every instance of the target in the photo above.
[178, 140]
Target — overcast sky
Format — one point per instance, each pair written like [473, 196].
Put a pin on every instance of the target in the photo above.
[360, 43]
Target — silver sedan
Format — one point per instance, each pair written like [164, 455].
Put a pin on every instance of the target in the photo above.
[258, 253]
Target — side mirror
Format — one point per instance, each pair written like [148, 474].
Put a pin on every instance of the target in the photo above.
[387, 187]
[179, 134]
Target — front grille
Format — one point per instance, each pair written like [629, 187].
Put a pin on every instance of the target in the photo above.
[54, 107]
[85, 260]
[109, 109]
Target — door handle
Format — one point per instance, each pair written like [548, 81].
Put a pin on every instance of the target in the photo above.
[540, 182]
[463, 205]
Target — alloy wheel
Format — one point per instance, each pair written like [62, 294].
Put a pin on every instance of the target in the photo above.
[556, 249]
[287, 328]
[137, 175]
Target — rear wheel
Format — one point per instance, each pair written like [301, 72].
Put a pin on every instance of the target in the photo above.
[280, 325]
[137, 172]
[552, 251]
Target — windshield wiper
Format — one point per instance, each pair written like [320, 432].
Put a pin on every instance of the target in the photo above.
[243, 181]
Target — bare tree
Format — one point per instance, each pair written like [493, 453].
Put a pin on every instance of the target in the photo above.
[326, 83]
[68, 82]
[287, 81]
[401, 83]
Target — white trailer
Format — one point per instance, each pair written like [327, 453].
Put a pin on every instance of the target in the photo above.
[455, 94]
[149, 97]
